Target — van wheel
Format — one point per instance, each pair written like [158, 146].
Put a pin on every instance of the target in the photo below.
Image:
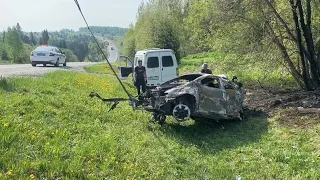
[65, 63]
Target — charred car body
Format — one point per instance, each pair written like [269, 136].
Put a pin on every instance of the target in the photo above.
[196, 96]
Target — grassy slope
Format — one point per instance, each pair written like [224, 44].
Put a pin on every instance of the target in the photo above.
[50, 129]
[250, 74]
[102, 68]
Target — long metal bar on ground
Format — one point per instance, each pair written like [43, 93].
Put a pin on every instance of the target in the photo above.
[77, 3]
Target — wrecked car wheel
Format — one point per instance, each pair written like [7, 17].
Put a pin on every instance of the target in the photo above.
[181, 112]
[159, 118]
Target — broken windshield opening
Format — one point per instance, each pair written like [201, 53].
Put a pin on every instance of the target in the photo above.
[183, 79]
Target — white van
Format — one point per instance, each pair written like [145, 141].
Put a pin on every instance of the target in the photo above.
[161, 66]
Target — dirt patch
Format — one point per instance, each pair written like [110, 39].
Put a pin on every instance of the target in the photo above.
[288, 102]
[292, 118]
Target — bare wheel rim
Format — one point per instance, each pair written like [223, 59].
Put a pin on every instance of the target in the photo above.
[181, 112]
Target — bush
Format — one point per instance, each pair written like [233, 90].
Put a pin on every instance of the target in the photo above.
[71, 57]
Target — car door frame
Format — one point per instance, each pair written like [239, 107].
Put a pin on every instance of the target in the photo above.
[234, 105]
[212, 100]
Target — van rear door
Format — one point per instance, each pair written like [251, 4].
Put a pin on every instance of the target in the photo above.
[126, 70]
[169, 66]
[153, 69]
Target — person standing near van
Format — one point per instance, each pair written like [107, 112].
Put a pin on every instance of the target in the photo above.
[140, 77]
[205, 69]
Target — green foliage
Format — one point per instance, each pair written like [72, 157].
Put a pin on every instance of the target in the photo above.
[51, 129]
[247, 29]
[14, 45]
[105, 30]
[70, 56]
[2, 50]
[102, 69]
[94, 53]
[45, 37]
[157, 26]
[130, 43]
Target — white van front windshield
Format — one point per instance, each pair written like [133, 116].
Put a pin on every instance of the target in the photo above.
[137, 59]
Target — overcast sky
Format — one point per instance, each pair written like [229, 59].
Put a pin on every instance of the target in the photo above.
[36, 15]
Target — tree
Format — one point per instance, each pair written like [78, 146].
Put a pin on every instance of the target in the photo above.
[130, 43]
[44, 37]
[312, 79]
[14, 45]
[1, 49]
[19, 29]
[32, 39]
[158, 26]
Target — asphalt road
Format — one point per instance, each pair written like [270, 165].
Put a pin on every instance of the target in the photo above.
[15, 70]
[113, 54]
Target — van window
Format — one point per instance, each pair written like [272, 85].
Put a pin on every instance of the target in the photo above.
[153, 62]
[167, 61]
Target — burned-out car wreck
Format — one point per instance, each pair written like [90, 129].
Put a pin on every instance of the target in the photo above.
[194, 96]
[197, 96]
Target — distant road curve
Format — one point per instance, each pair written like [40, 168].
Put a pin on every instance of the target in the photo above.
[113, 54]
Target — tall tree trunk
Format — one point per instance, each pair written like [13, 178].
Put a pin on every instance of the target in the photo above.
[314, 65]
[294, 72]
[285, 25]
[299, 44]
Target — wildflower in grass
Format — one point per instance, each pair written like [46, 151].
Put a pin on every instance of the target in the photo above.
[5, 124]
[10, 172]
[32, 176]
[113, 158]
[132, 165]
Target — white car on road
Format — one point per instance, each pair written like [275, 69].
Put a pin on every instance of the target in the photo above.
[47, 55]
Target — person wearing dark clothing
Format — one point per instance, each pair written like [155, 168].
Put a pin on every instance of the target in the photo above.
[140, 77]
[205, 69]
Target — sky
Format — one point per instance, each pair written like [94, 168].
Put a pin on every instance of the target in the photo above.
[37, 15]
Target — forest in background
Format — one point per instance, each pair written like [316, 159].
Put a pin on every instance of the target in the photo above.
[276, 37]
[16, 45]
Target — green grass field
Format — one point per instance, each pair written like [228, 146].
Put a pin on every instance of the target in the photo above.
[51, 129]
[102, 69]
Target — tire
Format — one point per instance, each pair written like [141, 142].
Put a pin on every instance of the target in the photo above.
[57, 63]
[183, 109]
[65, 63]
[44, 65]
[34, 65]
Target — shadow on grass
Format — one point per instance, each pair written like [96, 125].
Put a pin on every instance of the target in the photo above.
[213, 138]
[6, 85]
